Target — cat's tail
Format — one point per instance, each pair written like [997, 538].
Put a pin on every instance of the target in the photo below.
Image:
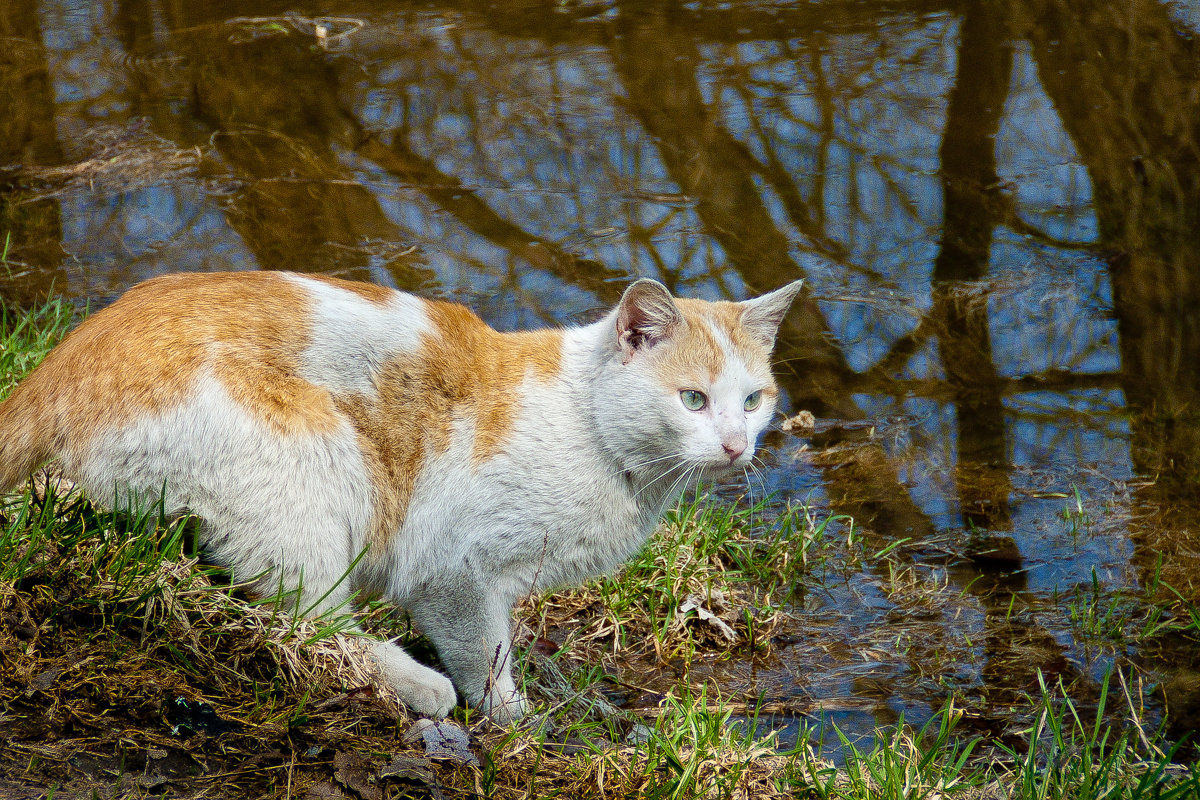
[27, 434]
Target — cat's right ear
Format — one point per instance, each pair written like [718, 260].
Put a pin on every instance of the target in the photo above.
[646, 316]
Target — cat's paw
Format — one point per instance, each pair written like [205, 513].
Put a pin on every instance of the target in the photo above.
[434, 698]
[424, 690]
[504, 707]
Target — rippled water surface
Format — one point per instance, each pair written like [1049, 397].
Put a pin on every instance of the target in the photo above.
[996, 208]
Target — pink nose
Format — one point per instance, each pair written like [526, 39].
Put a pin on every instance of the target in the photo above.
[734, 450]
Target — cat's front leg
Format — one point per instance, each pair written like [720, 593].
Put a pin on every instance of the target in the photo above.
[470, 629]
[422, 689]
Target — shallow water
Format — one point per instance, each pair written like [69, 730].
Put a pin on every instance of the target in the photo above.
[995, 207]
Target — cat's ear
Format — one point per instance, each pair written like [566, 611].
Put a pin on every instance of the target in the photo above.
[761, 316]
[646, 316]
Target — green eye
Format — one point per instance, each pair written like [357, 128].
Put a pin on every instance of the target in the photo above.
[753, 401]
[693, 400]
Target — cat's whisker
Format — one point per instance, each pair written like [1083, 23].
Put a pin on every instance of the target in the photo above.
[671, 458]
[673, 490]
[661, 477]
[670, 496]
[758, 473]
[761, 480]
[749, 485]
[654, 450]
[651, 461]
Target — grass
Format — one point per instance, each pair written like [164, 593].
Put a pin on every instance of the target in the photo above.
[1077, 520]
[26, 337]
[127, 668]
[1078, 758]
[109, 627]
[108, 623]
[710, 577]
[1114, 621]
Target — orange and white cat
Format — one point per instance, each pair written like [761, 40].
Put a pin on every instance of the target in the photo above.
[307, 421]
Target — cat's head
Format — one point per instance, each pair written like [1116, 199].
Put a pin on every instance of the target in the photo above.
[687, 388]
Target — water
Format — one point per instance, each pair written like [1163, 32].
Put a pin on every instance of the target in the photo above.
[995, 208]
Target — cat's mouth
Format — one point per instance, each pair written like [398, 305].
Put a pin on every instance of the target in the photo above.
[724, 467]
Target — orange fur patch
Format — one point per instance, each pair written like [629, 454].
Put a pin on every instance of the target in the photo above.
[695, 357]
[142, 354]
[464, 370]
[727, 318]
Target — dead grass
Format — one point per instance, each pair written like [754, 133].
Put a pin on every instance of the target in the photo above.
[126, 669]
[112, 159]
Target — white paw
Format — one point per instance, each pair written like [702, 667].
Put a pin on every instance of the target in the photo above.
[424, 690]
[433, 698]
[504, 706]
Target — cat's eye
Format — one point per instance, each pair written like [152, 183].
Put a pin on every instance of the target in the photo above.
[753, 400]
[693, 400]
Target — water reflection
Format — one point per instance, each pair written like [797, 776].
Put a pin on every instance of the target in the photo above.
[993, 204]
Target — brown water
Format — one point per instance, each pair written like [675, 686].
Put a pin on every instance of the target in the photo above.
[996, 207]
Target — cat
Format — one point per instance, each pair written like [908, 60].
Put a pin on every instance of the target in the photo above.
[308, 421]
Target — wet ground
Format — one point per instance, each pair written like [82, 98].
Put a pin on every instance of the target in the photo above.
[995, 207]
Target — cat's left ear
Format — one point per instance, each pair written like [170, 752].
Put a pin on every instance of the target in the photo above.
[761, 316]
[646, 315]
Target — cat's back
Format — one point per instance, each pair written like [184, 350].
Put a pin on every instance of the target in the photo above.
[278, 344]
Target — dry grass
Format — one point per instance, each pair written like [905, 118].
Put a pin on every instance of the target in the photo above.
[124, 669]
[110, 158]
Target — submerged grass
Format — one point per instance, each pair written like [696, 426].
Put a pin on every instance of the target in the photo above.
[127, 669]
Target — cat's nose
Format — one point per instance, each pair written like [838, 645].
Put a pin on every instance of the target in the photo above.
[733, 449]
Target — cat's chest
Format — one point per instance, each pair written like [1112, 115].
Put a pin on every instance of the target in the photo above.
[548, 507]
[585, 526]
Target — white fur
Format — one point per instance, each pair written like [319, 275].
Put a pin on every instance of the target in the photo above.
[549, 509]
[297, 505]
[351, 337]
[294, 510]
